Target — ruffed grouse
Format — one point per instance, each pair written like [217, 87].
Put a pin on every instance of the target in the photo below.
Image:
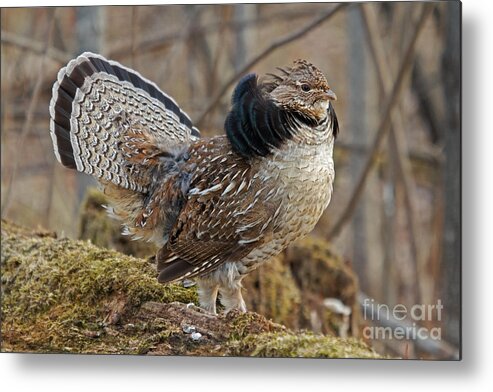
[217, 207]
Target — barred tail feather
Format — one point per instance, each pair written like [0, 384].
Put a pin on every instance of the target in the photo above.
[94, 102]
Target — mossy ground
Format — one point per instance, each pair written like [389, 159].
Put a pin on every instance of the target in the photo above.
[57, 295]
[60, 295]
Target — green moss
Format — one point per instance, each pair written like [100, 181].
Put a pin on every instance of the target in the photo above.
[56, 293]
[253, 335]
[303, 345]
[245, 324]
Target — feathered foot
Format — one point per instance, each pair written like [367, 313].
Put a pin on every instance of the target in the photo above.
[231, 298]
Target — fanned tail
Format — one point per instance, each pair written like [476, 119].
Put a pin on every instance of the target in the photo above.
[97, 108]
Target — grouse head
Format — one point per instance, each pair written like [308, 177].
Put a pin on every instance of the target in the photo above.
[301, 88]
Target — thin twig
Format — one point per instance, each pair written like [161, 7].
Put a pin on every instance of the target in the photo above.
[383, 126]
[34, 46]
[268, 51]
[29, 114]
[433, 157]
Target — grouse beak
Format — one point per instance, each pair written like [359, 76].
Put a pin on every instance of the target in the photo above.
[331, 95]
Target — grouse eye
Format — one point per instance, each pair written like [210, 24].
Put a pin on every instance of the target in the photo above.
[305, 87]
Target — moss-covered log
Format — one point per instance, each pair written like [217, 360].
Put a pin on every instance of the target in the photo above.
[60, 295]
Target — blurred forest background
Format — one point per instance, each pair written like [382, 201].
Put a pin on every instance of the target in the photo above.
[395, 67]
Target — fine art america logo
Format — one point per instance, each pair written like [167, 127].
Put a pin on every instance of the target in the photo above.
[401, 322]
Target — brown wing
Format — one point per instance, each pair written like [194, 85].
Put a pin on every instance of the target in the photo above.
[223, 219]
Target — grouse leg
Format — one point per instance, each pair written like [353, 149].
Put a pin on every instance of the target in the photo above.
[208, 295]
[231, 298]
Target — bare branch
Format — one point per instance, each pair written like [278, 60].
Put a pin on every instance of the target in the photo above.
[268, 51]
[35, 46]
[433, 157]
[383, 127]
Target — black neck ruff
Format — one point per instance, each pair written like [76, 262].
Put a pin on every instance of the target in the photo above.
[256, 125]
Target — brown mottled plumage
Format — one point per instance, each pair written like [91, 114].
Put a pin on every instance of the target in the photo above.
[218, 207]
